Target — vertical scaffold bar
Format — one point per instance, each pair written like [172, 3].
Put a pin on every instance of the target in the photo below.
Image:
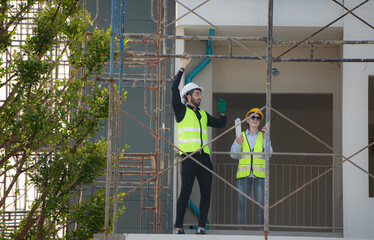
[157, 139]
[109, 159]
[118, 119]
[269, 59]
[116, 160]
[110, 121]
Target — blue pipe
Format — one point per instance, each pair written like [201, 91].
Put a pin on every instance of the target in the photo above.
[209, 51]
[121, 43]
[113, 30]
[196, 211]
[201, 66]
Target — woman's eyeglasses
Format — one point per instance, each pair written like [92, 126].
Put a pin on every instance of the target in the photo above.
[254, 117]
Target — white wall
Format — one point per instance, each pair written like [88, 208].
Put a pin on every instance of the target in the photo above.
[250, 76]
[254, 12]
[358, 208]
[179, 49]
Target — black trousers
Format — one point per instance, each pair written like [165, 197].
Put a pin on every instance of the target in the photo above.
[190, 169]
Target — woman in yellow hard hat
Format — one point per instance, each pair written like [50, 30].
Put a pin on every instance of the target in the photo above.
[251, 167]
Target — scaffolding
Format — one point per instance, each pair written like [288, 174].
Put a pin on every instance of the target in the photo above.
[161, 53]
[144, 64]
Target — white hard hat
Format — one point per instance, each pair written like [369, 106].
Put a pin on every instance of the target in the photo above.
[188, 87]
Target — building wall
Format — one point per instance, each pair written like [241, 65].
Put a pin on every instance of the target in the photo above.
[358, 207]
[254, 13]
[249, 75]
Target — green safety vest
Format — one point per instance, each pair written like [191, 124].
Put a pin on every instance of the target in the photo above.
[248, 163]
[192, 133]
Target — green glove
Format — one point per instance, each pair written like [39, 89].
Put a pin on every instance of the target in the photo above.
[221, 105]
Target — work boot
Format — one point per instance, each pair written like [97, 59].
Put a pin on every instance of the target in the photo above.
[200, 231]
[180, 231]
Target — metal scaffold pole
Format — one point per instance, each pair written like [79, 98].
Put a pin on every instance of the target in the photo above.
[118, 119]
[110, 121]
[269, 59]
[157, 140]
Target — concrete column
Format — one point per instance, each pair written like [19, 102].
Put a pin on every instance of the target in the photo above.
[358, 208]
[179, 49]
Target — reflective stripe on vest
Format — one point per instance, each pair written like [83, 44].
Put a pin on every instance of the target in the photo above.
[192, 133]
[246, 164]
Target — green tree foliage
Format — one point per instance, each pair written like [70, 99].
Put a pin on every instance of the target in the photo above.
[47, 125]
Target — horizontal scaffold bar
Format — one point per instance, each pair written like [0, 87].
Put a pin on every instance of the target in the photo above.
[228, 38]
[182, 37]
[142, 54]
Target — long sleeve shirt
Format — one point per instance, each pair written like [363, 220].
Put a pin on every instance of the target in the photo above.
[180, 108]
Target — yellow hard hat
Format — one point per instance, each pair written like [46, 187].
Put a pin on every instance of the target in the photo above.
[255, 110]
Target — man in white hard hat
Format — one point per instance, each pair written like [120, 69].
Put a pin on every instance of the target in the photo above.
[192, 135]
